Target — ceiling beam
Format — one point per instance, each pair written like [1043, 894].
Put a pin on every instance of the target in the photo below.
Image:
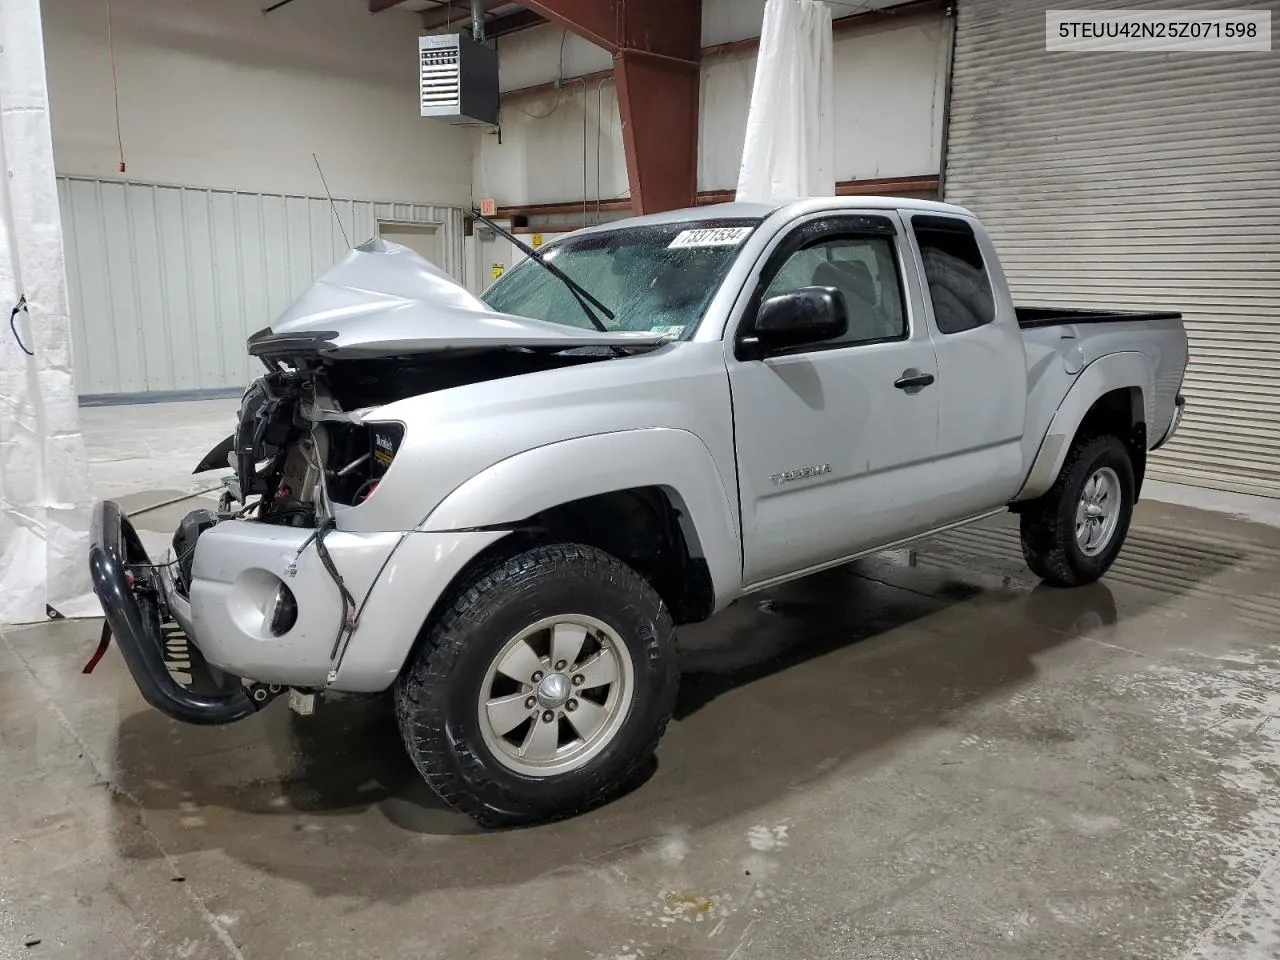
[377, 6]
[438, 18]
[456, 12]
[512, 22]
[594, 20]
[843, 25]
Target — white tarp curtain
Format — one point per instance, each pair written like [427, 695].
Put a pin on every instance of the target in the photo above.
[790, 144]
[44, 477]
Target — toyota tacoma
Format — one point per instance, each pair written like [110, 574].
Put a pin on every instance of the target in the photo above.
[501, 508]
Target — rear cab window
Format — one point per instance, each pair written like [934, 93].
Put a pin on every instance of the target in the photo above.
[956, 275]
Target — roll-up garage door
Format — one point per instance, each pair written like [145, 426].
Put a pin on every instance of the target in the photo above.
[1143, 181]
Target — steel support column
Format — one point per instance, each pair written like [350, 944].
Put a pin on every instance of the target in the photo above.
[658, 102]
[656, 46]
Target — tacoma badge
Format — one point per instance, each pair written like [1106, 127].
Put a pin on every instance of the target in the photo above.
[804, 473]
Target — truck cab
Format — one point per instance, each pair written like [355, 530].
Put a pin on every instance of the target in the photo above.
[913, 418]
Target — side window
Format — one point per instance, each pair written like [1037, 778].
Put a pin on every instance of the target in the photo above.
[863, 268]
[957, 277]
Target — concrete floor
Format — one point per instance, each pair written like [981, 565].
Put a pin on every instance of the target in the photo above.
[923, 756]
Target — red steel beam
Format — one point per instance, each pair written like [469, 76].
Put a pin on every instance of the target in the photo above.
[554, 209]
[594, 20]
[658, 105]
[655, 46]
[666, 28]
[851, 23]
[656, 49]
[658, 92]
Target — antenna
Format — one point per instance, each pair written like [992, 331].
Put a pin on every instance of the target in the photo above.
[333, 205]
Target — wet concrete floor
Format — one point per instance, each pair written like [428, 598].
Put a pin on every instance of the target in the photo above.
[924, 755]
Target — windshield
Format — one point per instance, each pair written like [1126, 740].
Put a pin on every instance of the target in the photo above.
[654, 278]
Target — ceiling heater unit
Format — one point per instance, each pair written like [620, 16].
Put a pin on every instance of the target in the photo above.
[458, 79]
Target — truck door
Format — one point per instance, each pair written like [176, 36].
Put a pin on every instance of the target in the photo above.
[982, 366]
[835, 439]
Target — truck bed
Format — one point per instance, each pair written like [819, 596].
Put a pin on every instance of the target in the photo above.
[1031, 317]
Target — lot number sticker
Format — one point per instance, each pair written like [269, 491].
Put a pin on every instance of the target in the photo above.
[710, 237]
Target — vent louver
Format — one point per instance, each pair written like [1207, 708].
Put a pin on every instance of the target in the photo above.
[441, 81]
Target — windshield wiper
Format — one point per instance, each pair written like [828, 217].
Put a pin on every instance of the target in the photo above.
[579, 294]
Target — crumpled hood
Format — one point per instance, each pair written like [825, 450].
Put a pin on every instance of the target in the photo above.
[384, 299]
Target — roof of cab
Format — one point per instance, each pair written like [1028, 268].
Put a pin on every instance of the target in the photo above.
[759, 210]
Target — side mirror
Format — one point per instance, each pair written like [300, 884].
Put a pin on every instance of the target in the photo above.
[804, 316]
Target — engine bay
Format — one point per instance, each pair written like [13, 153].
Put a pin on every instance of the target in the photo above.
[301, 452]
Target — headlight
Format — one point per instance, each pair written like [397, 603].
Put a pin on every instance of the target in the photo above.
[359, 456]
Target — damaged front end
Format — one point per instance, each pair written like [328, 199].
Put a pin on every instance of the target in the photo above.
[268, 590]
[381, 326]
[296, 456]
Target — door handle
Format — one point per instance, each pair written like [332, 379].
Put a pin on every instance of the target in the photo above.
[913, 380]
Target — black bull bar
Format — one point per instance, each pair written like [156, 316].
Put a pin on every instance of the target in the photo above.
[128, 586]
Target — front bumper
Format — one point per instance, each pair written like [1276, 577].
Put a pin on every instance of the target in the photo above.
[395, 579]
[238, 566]
[134, 604]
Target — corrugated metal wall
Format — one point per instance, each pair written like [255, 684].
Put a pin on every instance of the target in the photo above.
[1143, 181]
[167, 282]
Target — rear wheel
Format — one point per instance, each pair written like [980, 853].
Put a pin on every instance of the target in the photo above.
[1072, 535]
[543, 689]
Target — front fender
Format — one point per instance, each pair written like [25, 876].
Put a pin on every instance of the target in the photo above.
[675, 460]
[1116, 371]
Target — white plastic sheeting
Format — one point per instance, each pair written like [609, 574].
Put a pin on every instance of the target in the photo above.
[44, 476]
[789, 151]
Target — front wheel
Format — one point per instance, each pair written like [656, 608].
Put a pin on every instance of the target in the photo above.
[543, 689]
[1072, 535]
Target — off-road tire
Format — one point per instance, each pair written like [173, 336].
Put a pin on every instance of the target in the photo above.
[1048, 523]
[437, 695]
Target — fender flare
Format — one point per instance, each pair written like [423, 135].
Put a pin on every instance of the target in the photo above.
[677, 461]
[1116, 371]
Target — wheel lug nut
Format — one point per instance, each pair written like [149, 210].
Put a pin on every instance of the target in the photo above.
[561, 664]
[548, 716]
[571, 706]
[578, 680]
[537, 676]
[531, 703]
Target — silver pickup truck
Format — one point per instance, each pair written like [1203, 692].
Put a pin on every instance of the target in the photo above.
[501, 508]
